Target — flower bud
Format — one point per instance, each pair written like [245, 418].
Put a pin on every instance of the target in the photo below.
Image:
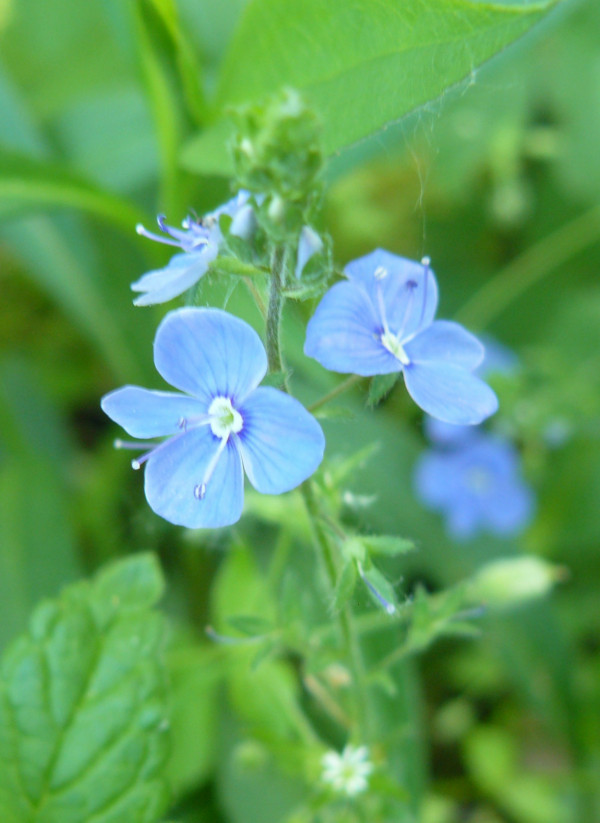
[509, 582]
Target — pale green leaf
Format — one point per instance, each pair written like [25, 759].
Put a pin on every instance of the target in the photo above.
[83, 707]
[387, 544]
[362, 64]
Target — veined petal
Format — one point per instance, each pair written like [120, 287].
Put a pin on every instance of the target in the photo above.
[449, 392]
[409, 297]
[344, 334]
[445, 342]
[209, 353]
[244, 223]
[281, 443]
[144, 413]
[177, 469]
[182, 272]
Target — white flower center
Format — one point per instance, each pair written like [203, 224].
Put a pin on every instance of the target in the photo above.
[479, 480]
[392, 344]
[224, 419]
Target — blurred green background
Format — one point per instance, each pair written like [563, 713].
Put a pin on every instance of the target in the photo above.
[498, 181]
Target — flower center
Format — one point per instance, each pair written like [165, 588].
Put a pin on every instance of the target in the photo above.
[479, 480]
[392, 344]
[224, 419]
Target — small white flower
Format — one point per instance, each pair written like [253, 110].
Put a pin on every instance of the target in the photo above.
[349, 771]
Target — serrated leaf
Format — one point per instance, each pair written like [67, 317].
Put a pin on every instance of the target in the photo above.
[387, 545]
[251, 625]
[361, 64]
[83, 706]
[380, 386]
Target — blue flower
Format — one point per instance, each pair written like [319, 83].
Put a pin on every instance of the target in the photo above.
[477, 484]
[498, 359]
[199, 241]
[381, 320]
[221, 426]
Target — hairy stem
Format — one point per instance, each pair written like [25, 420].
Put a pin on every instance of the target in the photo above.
[276, 300]
[350, 640]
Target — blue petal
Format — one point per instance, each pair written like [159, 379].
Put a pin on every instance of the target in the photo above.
[463, 519]
[309, 244]
[434, 479]
[181, 273]
[281, 443]
[510, 509]
[445, 341]
[209, 353]
[176, 468]
[446, 434]
[144, 413]
[409, 298]
[244, 223]
[344, 334]
[450, 393]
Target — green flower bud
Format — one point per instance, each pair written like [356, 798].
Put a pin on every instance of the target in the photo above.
[509, 582]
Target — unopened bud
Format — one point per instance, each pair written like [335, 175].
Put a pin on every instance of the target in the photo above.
[509, 582]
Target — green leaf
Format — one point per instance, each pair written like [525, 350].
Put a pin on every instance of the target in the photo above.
[361, 64]
[387, 544]
[236, 268]
[344, 587]
[381, 590]
[380, 386]
[83, 706]
[251, 625]
[27, 184]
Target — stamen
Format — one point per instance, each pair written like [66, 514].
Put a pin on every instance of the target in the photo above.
[128, 444]
[380, 272]
[425, 262]
[381, 307]
[200, 489]
[151, 236]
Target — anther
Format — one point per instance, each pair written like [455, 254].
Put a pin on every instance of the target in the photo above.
[380, 272]
[200, 491]
[135, 464]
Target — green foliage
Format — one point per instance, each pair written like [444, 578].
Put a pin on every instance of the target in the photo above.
[83, 716]
[361, 64]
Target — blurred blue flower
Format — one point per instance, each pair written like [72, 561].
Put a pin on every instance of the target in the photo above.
[199, 241]
[476, 483]
[221, 426]
[381, 320]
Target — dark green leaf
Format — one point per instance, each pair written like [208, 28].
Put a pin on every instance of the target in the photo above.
[83, 707]
[380, 386]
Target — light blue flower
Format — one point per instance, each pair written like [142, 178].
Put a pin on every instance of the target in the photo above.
[381, 320]
[309, 244]
[199, 241]
[498, 359]
[477, 485]
[220, 427]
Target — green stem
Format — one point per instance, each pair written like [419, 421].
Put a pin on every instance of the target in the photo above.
[276, 300]
[340, 389]
[350, 640]
[530, 267]
[345, 618]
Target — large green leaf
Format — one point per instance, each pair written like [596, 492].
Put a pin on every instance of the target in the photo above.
[361, 63]
[83, 706]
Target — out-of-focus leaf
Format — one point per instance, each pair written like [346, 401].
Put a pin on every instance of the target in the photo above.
[380, 386]
[28, 185]
[386, 544]
[195, 674]
[362, 64]
[83, 705]
[55, 265]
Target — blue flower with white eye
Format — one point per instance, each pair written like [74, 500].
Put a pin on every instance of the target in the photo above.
[199, 241]
[477, 485]
[381, 320]
[220, 427]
